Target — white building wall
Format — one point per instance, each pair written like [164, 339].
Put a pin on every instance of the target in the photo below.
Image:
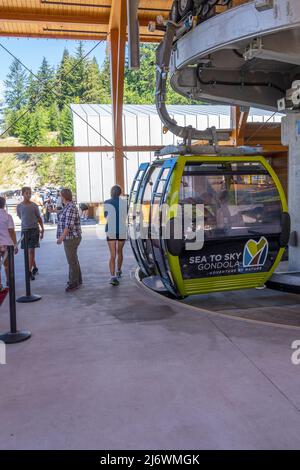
[81, 159]
[107, 159]
[141, 126]
[93, 138]
[130, 136]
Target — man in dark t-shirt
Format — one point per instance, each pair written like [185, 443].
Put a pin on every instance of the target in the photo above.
[31, 220]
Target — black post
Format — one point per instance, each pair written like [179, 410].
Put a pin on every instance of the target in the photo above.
[28, 297]
[13, 336]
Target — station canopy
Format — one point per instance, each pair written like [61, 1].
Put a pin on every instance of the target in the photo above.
[73, 19]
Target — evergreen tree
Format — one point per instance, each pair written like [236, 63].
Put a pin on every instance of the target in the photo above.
[104, 79]
[24, 132]
[66, 127]
[13, 122]
[32, 91]
[15, 86]
[139, 86]
[80, 71]
[45, 168]
[53, 117]
[40, 90]
[66, 86]
[46, 80]
[91, 84]
[65, 168]
[33, 127]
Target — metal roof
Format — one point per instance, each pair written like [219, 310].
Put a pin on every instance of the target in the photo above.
[149, 109]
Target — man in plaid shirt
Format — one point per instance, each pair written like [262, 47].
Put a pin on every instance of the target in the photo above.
[69, 233]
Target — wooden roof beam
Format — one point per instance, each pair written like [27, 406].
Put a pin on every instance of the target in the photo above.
[24, 15]
[47, 34]
[117, 41]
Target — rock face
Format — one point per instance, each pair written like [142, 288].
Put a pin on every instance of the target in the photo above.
[17, 171]
[36, 170]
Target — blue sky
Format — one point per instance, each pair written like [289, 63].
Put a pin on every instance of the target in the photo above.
[32, 51]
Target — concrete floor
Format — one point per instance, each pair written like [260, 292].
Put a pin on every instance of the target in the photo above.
[266, 305]
[111, 368]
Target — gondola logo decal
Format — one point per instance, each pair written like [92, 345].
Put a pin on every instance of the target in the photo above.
[255, 253]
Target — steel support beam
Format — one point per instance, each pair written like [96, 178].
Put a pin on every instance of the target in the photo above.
[133, 34]
[117, 42]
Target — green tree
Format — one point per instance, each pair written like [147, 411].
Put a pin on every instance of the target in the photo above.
[15, 86]
[91, 85]
[66, 86]
[80, 71]
[104, 80]
[45, 168]
[65, 168]
[32, 91]
[140, 85]
[46, 80]
[66, 127]
[53, 117]
[40, 90]
[13, 122]
[33, 127]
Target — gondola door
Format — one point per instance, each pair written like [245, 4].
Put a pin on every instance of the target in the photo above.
[134, 213]
[157, 242]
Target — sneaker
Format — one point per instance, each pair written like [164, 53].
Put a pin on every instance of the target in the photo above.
[114, 281]
[119, 274]
[35, 271]
[32, 278]
[71, 288]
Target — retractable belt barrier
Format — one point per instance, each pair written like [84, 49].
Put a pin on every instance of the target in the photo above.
[14, 335]
[29, 297]
[4, 291]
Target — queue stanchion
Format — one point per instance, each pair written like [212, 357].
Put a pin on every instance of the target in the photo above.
[29, 297]
[13, 336]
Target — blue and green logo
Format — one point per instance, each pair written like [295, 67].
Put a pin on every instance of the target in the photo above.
[255, 253]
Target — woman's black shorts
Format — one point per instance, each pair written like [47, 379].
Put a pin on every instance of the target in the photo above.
[115, 238]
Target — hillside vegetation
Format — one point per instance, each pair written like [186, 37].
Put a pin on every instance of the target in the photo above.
[37, 111]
